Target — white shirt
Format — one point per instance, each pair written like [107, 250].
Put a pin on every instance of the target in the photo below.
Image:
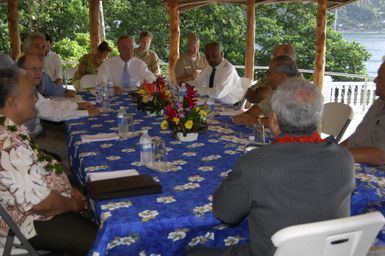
[227, 83]
[53, 66]
[112, 70]
[53, 110]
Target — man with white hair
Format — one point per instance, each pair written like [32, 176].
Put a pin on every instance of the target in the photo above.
[299, 178]
[125, 70]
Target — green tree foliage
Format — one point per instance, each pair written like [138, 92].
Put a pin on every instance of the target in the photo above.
[67, 22]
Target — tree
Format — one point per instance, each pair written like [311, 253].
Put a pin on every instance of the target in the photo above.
[225, 23]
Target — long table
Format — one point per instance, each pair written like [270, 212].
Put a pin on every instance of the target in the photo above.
[181, 216]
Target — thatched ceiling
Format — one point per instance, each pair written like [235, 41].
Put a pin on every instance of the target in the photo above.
[190, 4]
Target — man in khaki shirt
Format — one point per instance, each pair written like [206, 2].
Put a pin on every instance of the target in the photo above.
[144, 53]
[191, 63]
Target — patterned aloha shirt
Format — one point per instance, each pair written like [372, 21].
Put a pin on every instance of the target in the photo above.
[24, 182]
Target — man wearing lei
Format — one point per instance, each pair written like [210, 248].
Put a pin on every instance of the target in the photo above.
[33, 188]
[298, 179]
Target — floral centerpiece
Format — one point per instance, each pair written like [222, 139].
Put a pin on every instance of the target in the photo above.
[153, 97]
[185, 117]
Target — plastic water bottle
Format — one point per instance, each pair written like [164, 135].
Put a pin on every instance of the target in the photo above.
[110, 86]
[145, 143]
[122, 123]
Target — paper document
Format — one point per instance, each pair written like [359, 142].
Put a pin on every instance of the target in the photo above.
[111, 175]
[230, 112]
[99, 137]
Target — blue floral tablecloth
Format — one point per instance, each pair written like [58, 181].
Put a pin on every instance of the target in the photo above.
[181, 216]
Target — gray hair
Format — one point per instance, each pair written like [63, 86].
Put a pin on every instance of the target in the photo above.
[9, 78]
[6, 61]
[32, 36]
[298, 105]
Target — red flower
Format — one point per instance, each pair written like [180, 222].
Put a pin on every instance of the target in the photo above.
[190, 97]
[170, 112]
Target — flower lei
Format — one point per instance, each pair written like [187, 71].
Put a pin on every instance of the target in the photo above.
[50, 164]
[314, 138]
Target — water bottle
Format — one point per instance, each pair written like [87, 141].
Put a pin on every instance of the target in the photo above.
[145, 143]
[110, 86]
[182, 92]
[122, 123]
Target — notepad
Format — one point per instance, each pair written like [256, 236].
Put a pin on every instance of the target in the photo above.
[94, 176]
[99, 137]
[123, 187]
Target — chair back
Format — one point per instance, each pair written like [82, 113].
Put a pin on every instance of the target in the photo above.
[350, 236]
[69, 74]
[88, 81]
[336, 119]
[245, 84]
[16, 243]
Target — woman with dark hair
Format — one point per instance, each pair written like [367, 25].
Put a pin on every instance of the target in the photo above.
[89, 63]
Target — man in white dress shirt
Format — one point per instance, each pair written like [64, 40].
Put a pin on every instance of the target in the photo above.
[220, 80]
[52, 62]
[125, 70]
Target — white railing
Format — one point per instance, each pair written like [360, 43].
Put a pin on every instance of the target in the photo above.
[358, 95]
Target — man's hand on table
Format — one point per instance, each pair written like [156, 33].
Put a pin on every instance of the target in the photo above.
[94, 112]
[85, 105]
[69, 93]
[245, 119]
[118, 90]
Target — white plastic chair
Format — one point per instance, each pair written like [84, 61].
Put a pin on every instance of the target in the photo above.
[336, 118]
[88, 81]
[350, 236]
[245, 84]
[69, 73]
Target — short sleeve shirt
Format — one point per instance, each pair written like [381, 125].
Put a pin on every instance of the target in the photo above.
[186, 66]
[371, 131]
[24, 182]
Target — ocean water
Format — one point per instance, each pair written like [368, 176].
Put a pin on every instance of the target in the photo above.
[375, 44]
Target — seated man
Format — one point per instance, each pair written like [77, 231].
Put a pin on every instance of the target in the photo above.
[35, 44]
[288, 182]
[52, 62]
[191, 63]
[282, 49]
[125, 70]
[367, 144]
[52, 139]
[280, 69]
[36, 192]
[144, 53]
[220, 80]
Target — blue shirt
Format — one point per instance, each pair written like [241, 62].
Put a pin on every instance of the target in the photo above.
[48, 88]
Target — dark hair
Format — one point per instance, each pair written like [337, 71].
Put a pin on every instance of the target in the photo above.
[48, 38]
[286, 65]
[104, 47]
[21, 61]
[8, 83]
[145, 34]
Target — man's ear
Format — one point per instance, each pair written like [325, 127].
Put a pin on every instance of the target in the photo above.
[274, 126]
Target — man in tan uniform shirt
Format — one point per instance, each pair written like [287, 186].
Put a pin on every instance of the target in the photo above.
[144, 53]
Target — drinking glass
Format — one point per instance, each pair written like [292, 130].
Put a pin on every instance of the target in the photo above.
[259, 133]
[159, 153]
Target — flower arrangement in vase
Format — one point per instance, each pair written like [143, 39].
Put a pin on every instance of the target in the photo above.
[185, 117]
[153, 97]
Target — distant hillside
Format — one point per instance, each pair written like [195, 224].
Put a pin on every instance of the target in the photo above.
[362, 15]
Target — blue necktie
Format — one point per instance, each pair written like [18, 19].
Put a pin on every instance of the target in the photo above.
[125, 76]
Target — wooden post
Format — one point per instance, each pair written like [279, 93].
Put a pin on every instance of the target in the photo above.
[319, 69]
[13, 29]
[174, 38]
[94, 20]
[250, 40]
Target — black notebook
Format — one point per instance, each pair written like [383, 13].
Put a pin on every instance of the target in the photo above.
[123, 187]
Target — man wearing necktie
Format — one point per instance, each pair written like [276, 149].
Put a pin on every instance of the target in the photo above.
[220, 80]
[125, 70]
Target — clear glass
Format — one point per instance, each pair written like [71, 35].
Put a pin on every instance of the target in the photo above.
[159, 152]
[105, 99]
[259, 133]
